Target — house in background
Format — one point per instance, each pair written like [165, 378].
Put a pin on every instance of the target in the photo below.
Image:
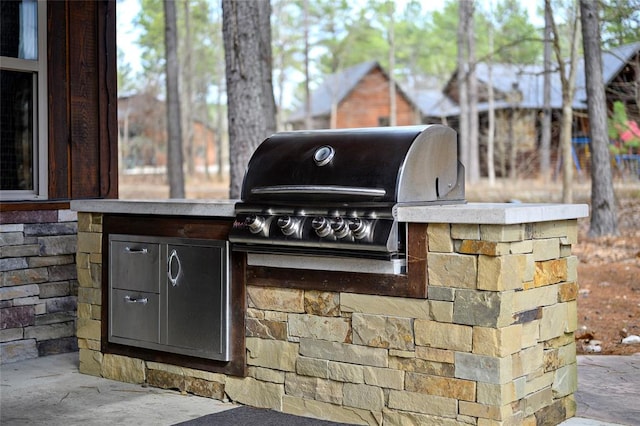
[359, 97]
[143, 137]
[621, 78]
[519, 103]
[356, 97]
[58, 142]
[205, 148]
[142, 132]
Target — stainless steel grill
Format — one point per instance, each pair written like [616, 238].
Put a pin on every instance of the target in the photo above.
[332, 193]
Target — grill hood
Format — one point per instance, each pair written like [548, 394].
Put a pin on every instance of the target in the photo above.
[413, 164]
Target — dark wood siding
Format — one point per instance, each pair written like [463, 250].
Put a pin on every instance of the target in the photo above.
[82, 102]
[57, 100]
[108, 101]
[92, 119]
[83, 97]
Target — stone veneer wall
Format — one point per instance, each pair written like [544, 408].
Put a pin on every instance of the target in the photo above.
[492, 345]
[38, 285]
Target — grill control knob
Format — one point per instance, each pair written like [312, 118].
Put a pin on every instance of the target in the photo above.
[321, 226]
[254, 223]
[340, 228]
[287, 225]
[359, 228]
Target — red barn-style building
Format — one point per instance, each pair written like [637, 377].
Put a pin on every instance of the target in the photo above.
[358, 96]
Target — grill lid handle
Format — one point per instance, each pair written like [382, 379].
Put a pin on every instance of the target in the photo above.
[320, 189]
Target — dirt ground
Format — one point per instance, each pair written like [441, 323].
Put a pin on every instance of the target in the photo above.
[609, 280]
[608, 269]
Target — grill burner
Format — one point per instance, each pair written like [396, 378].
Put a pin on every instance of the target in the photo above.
[333, 192]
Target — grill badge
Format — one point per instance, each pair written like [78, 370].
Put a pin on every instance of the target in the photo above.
[323, 155]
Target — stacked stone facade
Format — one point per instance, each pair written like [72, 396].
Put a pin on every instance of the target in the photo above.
[493, 343]
[38, 285]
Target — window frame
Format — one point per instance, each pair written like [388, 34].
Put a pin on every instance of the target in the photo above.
[40, 120]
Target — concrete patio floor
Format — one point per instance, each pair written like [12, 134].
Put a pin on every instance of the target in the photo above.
[51, 391]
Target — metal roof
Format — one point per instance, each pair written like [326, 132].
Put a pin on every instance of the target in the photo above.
[613, 61]
[527, 80]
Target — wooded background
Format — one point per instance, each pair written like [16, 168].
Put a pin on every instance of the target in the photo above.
[244, 66]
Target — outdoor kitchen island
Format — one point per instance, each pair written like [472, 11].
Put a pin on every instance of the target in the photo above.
[490, 341]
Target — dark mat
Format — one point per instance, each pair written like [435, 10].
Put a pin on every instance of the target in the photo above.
[249, 416]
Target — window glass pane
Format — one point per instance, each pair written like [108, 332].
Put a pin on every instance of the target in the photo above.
[19, 29]
[16, 130]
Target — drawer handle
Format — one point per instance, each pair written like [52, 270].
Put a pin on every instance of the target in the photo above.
[174, 279]
[142, 300]
[143, 250]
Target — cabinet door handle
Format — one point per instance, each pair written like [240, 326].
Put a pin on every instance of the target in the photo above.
[142, 300]
[143, 250]
[174, 256]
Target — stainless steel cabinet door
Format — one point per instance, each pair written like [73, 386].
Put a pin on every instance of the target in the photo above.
[197, 299]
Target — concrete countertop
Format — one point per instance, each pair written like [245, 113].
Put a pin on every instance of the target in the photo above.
[170, 207]
[489, 213]
[476, 213]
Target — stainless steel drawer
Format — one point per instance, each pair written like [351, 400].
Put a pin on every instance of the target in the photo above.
[134, 315]
[135, 264]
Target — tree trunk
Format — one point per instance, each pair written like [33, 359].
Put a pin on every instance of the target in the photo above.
[249, 113]
[568, 89]
[308, 123]
[474, 143]
[462, 78]
[502, 147]
[567, 157]
[174, 130]
[187, 104]
[567, 108]
[603, 208]
[125, 141]
[468, 91]
[392, 65]
[284, 38]
[333, 118]
[513, 144]
[545, 140]
[281, 65]
[266, 66]
[491, 132]
[204, 114]
[221, 142]
[219, 122]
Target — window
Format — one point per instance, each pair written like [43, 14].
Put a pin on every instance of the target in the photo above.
[23, 100]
